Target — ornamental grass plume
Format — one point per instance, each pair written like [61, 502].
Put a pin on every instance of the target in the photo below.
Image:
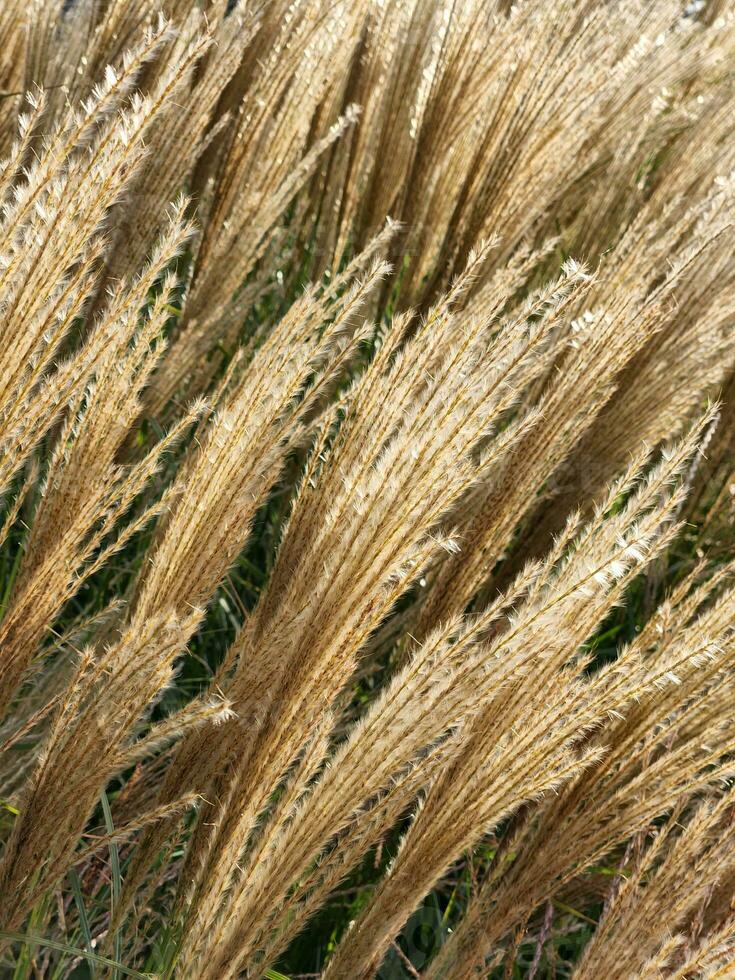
[366, 479]
[630, 936]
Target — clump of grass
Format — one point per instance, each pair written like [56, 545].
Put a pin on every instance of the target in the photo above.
[366, 473]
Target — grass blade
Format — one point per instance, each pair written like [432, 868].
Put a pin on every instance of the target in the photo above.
[33, 940]
[82, 912]
[116, 880]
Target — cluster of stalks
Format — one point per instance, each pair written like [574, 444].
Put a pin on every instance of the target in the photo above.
[393, 342]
